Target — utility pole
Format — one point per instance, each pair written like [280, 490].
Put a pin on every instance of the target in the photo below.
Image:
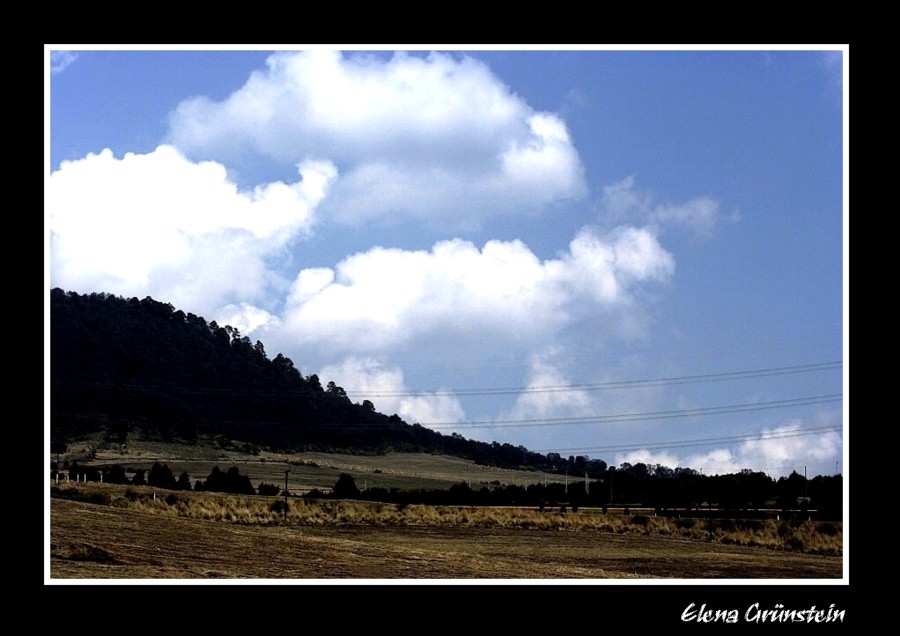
[286, 492]
[567, 482]
[805, 484]
[587, 485]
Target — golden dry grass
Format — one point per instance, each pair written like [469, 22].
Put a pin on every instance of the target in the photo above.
[91, 522]
[226, 538]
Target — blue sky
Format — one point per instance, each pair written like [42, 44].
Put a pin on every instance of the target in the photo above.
[635, 255]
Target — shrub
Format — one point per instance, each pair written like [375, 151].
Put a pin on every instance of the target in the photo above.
[87, 552]
[78, 494]
[279, 506]
[828, 529]
[640, 520]
[754, 525]
[726, 525]
[173, 499]
[795, 543]
[345, 487]
[268, 489]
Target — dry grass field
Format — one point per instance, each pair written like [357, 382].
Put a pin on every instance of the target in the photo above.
[108, 532]
[117, 532]
[309, 470]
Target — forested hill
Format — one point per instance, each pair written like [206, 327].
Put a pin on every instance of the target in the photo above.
[126, 365]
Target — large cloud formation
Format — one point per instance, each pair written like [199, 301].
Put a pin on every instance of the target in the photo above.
[163, 225]
[384, 298]
[434, 138]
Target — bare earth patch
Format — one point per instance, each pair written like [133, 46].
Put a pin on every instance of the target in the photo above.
[89, 541]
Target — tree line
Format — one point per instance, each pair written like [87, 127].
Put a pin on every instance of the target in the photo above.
[161, 476]
[688, 491]
[746, 492]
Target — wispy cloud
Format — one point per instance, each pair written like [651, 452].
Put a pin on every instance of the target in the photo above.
[623, 202]
[833, 64]
[61, 60]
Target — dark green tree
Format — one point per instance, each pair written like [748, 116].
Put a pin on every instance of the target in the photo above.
[114, 474]
[184, 481]
[231, 482]
[345, 487]
[161, 477]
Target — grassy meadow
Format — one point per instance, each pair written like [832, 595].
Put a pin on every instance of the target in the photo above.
[309, 470]
[107, 531]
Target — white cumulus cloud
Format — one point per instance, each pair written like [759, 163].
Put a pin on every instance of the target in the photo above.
[438, 139]
[383, 298]
[776, 451]
[385, 387]
[163, 225]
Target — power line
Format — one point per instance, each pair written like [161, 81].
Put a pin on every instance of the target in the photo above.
[698, 442]
[615, 384]
[631, 417]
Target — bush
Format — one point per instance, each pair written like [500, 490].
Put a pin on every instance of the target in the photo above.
[795, 543]
[640, 520]
[345, 487]
[828, 529]
[726, 525]
[754, 525]
[86, 496]
[172, 499]
[279, 506]
[268, 489]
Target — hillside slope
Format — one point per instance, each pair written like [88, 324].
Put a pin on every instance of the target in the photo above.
[127, 365]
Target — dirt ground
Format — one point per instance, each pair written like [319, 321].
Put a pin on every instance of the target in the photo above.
[88, 541]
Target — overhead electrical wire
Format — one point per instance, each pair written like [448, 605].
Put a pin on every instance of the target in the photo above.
[630, 417]
[699, 442]
[615, 384]
[598, 386]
